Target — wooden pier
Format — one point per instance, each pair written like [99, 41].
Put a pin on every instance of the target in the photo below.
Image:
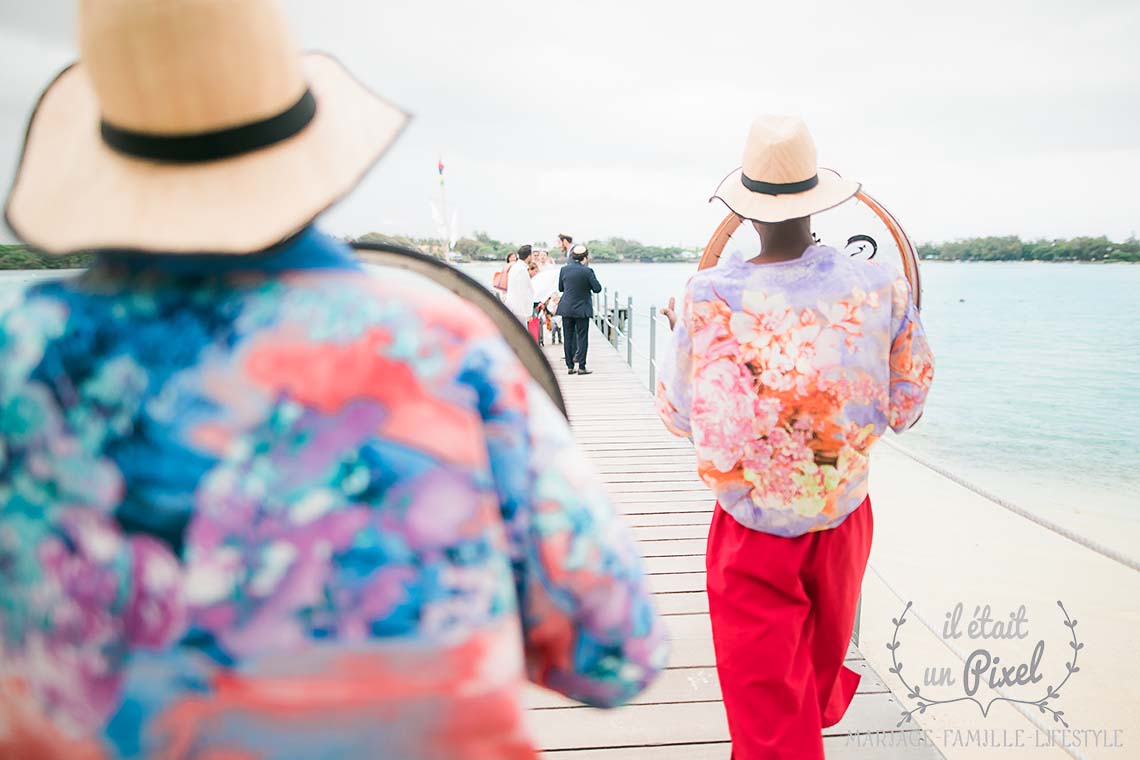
[652, 477]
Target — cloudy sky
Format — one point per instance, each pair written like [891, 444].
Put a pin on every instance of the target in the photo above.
[607, 118]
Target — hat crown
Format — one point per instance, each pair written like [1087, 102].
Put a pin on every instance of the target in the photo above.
[779, 150]
[170, 67]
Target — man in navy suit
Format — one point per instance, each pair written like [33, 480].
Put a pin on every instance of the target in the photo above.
[577, 283]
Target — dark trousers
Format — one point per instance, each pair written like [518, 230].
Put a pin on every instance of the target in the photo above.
[576, 340]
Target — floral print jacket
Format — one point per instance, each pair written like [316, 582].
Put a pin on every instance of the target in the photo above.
[281, 507]
[785, 374]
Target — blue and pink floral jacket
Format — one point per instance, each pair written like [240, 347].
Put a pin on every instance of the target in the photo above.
[282, 507]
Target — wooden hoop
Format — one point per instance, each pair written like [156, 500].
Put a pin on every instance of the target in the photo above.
[720, 237]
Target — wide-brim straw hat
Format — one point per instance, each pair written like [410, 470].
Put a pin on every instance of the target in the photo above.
[192, 126]
[779, 178]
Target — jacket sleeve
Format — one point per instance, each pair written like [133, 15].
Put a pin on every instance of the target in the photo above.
[590, 628]
[912, 363]
[594, 284]
[562, 280]
[674, 392]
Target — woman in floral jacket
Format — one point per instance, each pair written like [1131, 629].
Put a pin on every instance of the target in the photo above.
[786, 368]
[262, 503]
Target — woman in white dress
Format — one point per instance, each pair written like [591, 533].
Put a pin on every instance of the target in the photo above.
[520, 291]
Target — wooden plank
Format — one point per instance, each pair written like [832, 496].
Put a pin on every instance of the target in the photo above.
[648, 464]
[683, 685]
[637, 509]
[682, 603]
[673, 547]
[627, 422]
[657, 495]
[660, 532]
[693, 486]
[632, 726]
[663, 514]
[669, 480]
[646, 430]
[637, 412]
[633, 439]
[898, 745]
[640, 456]
[687, 564]
[671, 445]
[674, 582]
[655, 519]
[649, 725]
[673, 685]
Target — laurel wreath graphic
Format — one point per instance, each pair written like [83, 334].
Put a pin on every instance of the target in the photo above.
[924, 702]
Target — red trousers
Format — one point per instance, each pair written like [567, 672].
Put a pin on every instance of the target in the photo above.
[782, 611]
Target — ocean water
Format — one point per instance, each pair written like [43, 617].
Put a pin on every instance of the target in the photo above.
[1037, 380]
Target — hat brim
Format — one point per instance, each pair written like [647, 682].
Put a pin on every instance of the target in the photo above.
[831, 191]
[74, 193]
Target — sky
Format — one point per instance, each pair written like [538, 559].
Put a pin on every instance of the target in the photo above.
[604, 118]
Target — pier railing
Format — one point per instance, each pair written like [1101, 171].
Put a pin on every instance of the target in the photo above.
[618, 322]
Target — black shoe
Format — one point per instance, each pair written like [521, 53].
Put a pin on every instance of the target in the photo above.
[585, 371]
[572, 371]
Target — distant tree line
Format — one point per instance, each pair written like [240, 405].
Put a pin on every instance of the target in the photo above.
[22, 257]
[482, 247]
[1012, 248]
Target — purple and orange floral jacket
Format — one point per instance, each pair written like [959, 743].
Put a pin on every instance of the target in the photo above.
[785, 374]
[280, 507]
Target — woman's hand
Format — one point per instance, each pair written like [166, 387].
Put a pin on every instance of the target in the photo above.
[670, 312]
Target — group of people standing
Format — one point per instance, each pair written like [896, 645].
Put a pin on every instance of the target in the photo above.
[565, 314]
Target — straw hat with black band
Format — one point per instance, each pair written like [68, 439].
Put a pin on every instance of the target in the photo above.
[192, 126]
[779, 178]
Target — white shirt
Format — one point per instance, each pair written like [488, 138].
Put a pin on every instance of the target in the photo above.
[520, 291]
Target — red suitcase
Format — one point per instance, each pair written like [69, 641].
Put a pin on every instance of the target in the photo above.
[535, 327]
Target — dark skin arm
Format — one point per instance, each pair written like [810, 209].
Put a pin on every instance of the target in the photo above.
[670, 312]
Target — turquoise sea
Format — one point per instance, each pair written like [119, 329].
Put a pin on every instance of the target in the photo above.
[1037, 381]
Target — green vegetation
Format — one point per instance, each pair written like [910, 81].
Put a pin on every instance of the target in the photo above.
[482, 247]
[400, 240]
[620, 249]
[1011, 248]
[22, 257]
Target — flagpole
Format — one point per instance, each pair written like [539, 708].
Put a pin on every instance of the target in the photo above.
[445, 225]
